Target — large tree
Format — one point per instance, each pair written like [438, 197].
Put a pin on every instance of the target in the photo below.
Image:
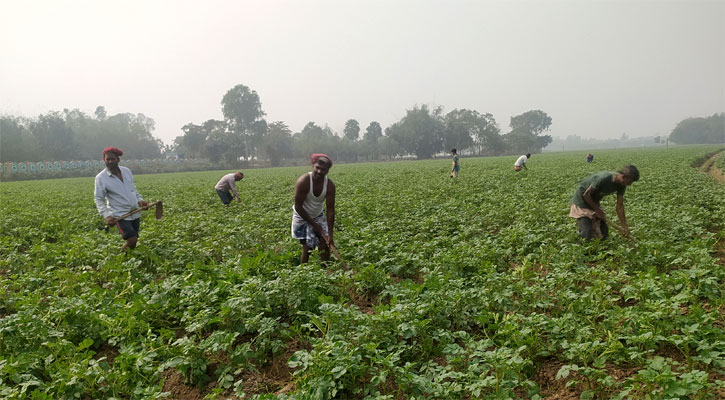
[420, 131]
[352, 129]
[534, 121]
[372, 135]
[193, 141]
[700, 130]
[460, 125]
[221, 144]
[373, 132]
[277, 143]
[244, 117]
[487, 135]
[315, 139]
[526, 129]
[101, 113]
[56, 141]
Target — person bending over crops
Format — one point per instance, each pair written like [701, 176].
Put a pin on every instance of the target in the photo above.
[227, 183]
[456, 164]
[310, 225]
[585, 206]
[115, 195]
[521, 162]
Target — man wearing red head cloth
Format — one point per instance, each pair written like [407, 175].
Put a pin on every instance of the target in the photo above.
[116, 194]
[310, 225]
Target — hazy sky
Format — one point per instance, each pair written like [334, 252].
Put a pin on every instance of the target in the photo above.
[598, 68]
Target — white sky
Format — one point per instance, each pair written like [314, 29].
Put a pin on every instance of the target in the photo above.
[598, 68]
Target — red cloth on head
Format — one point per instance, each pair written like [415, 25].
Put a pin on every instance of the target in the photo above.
[317, 156]
[115, 150]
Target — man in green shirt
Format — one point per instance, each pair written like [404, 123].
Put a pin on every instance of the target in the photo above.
[456, 164]
[585, 205]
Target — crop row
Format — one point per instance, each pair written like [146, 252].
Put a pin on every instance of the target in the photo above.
[470, 288]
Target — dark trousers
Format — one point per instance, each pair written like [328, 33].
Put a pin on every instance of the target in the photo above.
[226, 196]
[586, 230]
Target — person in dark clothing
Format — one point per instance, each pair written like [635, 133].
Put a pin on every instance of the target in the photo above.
[586, 208]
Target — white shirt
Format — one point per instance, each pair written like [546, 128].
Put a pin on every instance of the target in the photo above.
[312, 204]
[114, 197]
[521, 161]
[227, 183]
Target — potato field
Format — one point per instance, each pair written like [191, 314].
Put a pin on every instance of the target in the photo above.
[473, 288]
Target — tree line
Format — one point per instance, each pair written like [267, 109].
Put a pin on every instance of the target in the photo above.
[700, 130]
[423, 132]
[245, 136]
[74, 135]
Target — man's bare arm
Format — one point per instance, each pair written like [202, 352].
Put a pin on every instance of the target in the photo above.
[620, 212]
[592, 204]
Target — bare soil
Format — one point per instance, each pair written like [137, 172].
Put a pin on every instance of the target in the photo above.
[709, 167]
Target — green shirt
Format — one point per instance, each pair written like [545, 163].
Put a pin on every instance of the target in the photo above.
[455, 161]
[603, 184]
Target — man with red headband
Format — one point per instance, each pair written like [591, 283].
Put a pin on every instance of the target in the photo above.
[310, 225]
[116, 194]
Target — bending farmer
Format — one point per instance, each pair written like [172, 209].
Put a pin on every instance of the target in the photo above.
[309, 223]
[227, 183]
[521, 162]
[115, 194]
[585, 205]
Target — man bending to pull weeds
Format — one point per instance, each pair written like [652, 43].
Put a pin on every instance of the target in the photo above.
[227, 184]
[585, 205]
[310, 225]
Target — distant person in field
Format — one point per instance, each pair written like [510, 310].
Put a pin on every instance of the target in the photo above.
[585, 205]
[456, 164]
[521, 162]
[227, 183]
[590, 157]
[115, 194]
[310, 225]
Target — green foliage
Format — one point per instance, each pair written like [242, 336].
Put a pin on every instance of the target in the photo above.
[534, 121]
[420, 131]
[700, 130]
[526, 129]
[73, 135]
[456, 289]
[352, 129]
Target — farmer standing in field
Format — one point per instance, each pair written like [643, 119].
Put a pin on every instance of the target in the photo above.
[309, 223]
[456, 164]
[115, 194]
[521, 162]
[227, 183]
[585, 205]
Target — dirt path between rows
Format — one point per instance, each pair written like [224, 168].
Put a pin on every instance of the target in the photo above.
[711, 169]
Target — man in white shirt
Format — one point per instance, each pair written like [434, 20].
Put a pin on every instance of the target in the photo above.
[115, 194]
[521, 162]
[227, 183]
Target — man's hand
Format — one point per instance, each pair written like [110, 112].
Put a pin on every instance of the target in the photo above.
[318, 230]
[143, 204]
[600, 213]
[110, 220]
[239, 200]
